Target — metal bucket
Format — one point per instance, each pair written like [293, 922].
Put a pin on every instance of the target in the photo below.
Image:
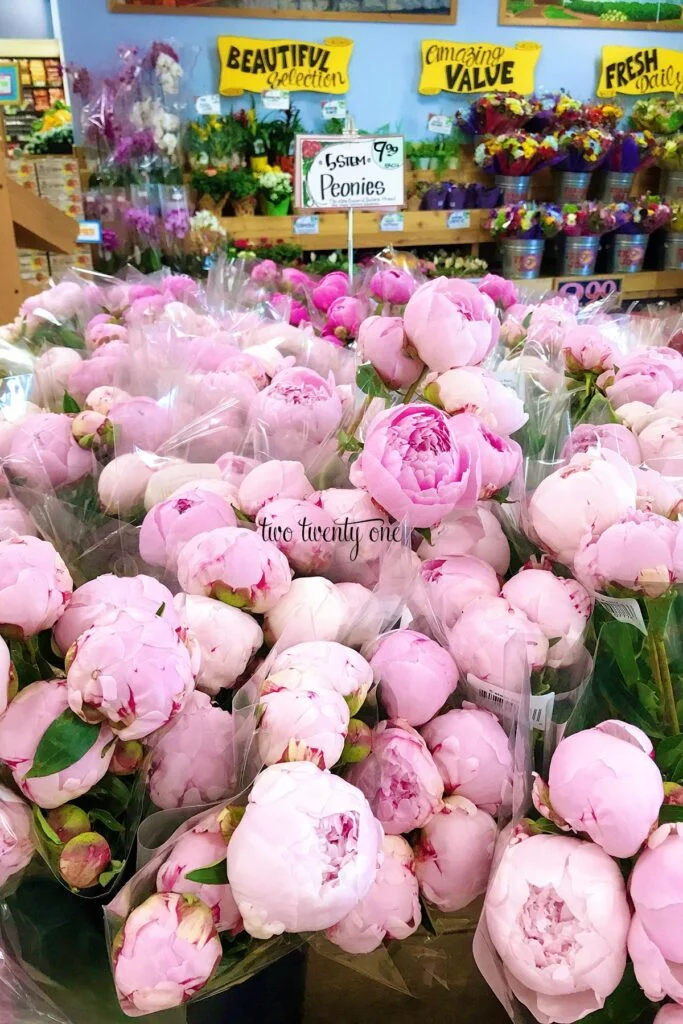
[574, 186]
[672, 185]
[580, 254]
[617, 187]
[522, 257]
[515, 189]
[673, 251]
[628, 253]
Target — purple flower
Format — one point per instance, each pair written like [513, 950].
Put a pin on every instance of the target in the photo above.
[110, 240]
[156, 50]
[177, 223]
[142, 220]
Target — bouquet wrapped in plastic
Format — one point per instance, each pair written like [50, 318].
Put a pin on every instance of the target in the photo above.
[583, 149]
[517, 153]
[526, 220]
[495, 113]
[631, 151]
[642, 216]
[588, 218]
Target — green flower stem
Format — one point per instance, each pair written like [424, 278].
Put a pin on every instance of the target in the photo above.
[662, 677]
[410, 393]
[358, 418]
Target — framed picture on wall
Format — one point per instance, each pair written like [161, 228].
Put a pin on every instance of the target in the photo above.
[664, 15]
[419, 11]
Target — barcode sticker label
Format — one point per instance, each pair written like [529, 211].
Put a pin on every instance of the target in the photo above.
[506, 705]
[541, 711]
[624, 610]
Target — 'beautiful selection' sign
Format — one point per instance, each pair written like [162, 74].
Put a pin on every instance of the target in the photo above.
[477, 67]
[338, 172]
[256, 65]
[633, 71]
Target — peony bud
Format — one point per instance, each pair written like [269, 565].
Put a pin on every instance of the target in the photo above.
[358, 742]
[127, 757]
[83, 860]
[68, 821]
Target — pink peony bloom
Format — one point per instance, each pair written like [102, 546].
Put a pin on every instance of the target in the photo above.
[503, 292]
[548, 326]
[234, 468]
[499, 458]
[227, 638]
[602, 782]
[122, 485]
[560, 607]
[108, 365]
[296, 280]
[655, 889]
[270, 481]
[236, 566]
[399, 778]
[414, 467]
[472, 752]
[170, 524]
[50, 376]
[16, 834]
[497, 644]
[131, 670]
[301, 725]
[393, 285]
[471, 389]
[657, 976]
[15, 520]
[669, 1014]
[44, 455]
[642, 553]
[391, 908]
[214, 415]
[451, 583]
[589, 437]
[332, 286]
[645, 376]
[35, 586]
[61, 302]
[195, 850]
[363, 531]
[312, 609]
[344, 317]
[474, 532]
[164, 954]
[193, 758]
[451, 323]
[304, 532]
[265, 272]
[140, 423]
[299, 408]
[102, 329]
[366, 614]
[21, 729]
[109, 593]
[558, 917]
[587, 495]
[415, 676]
[661, 445]
[305, 853]
[323, 663]
[453, 854]
[657, 494]
[382, 342]
[587, 350]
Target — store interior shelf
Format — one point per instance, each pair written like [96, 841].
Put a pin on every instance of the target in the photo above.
[420, 227]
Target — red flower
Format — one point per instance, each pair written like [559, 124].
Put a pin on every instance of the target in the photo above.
[241, 243]
[310, 148]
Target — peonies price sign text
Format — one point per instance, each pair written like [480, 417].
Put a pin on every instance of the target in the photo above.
[349, 172]
[255, 65]
[477, 67]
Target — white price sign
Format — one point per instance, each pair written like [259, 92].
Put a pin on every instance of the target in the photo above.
[391, 222]
[459, 219]
[308, 225]
[338, 172]
[333, 108]
[440, 124]
[210, 104]
[275, 99]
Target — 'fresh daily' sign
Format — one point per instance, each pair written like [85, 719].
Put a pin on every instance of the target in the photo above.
[338, 172]
[634, 72]
[477, 67]
[256, 65]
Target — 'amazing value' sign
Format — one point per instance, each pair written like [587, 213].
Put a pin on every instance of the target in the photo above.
[256, 65]
[477, 67]
[337, 172]
[633, 71]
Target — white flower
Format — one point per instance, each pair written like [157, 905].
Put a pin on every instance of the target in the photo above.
[169, 73]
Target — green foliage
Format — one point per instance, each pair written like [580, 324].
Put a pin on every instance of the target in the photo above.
[215, 874]
[241, 184]
[216, 186]
[626, 1004]
[370, 383]
[69, 404]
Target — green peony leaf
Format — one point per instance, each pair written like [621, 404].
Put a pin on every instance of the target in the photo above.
[62, 744]
[214, 874]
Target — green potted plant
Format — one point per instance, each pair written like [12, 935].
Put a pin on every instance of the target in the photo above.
[243, 187]
[279, 138]
[211, 188]
[276, 193]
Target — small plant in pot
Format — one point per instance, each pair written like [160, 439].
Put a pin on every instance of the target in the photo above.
[276, 193]
[212, 189]
[243, 187]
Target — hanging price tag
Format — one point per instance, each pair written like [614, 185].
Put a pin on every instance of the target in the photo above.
[440, 124]
[275, 99]
[624, 609]
[89, 232]
[308, 225]
[391, 222]
[210, 104]
[333, 108]
[459, 219]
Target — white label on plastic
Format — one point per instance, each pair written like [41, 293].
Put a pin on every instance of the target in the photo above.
[624, 610]
[506, 705]
[459, 219]
[541, 711]
[440, 124]
[307, 225]
[332, 109]
[391, 222]
[210, 104]
[275, 99]
[89, 232]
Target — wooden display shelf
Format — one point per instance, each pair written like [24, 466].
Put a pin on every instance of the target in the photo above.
[420, 227]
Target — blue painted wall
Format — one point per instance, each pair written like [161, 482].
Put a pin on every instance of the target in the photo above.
[25, 19]
[385, 65]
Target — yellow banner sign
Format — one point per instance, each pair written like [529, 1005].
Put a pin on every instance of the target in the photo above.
[634, 71]
[477, 67]
[255, 65]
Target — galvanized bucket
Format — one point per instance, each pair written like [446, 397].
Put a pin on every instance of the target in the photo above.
[628, 253]
[673, 251]
[574, 186]
[515, 189]
[580, 254]
[617, 187]
[672, 185]
[522, 257]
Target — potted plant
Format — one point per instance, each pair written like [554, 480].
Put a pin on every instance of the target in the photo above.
[211, 188]
[420, 154]
[280, 134]
[276, 193]
[243, 187]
